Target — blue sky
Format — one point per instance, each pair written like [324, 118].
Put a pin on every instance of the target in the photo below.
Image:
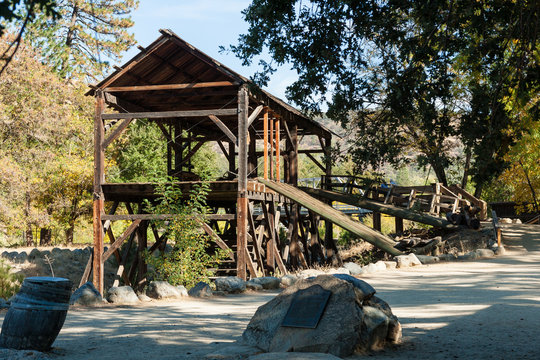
[205, 24]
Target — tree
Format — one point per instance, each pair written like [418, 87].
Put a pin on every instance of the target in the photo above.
[45, 147]
[85, 36]
[407, 76]
[10, 11]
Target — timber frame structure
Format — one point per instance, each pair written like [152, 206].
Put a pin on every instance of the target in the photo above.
[194, 100]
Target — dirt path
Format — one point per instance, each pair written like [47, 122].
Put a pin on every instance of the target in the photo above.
[487, 309]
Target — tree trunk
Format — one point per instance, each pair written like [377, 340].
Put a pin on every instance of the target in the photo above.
[533, 193]
[69, 233]
[45, 236]
[28, 234]
[440, 173]
[466, 168]
[478, 190]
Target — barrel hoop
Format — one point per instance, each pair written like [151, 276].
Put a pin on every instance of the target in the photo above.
[32, 301]
[55, 307]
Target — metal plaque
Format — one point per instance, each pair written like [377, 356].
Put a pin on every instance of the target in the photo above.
[307, 308]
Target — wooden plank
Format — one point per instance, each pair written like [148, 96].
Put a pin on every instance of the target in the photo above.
[87, 269]
[256, 244]
[134, 225]
[327, 212]
[316, 162]
[170, 114]
[242, 201]
[117, 132]
[170, 86]
[223, 128]
[254, 115]
[218, 217]
[98, 204]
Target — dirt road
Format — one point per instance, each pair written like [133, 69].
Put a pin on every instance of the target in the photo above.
[488, 309]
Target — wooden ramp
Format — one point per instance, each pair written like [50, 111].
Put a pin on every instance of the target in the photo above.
[328, 212]
[388, 209]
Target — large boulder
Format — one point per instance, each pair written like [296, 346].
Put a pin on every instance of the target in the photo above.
[353, 268]
[162, 290]
[407, 260]
[268, 282]
[122, 295]
[344, 327]
[86, 295]
[202, 289]
[230, 284]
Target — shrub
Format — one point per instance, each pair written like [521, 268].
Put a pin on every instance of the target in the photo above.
[10, 283]
[190, 260]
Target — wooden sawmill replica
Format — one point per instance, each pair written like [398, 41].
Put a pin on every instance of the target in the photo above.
[195, 100]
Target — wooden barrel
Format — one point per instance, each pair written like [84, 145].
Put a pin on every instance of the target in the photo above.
[37, 313]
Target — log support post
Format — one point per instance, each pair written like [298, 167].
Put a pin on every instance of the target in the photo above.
[242, 200]
[98, 202]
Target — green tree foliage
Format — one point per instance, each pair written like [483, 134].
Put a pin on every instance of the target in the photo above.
[85, 35]
[46, 144]
[190, 260]
[409, 77]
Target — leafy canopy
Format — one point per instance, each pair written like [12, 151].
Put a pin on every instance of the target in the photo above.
[408, 77]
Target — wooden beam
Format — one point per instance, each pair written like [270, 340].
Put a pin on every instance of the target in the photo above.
[134, 225]
[254, 115]
[218, 217]
[87, 269]
[170, 86]
[117, 132]
[278, 155]
[215, 237]
[223, 128]
[170, 114]
[316, 162]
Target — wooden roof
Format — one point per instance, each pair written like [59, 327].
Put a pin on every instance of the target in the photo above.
[203, 83]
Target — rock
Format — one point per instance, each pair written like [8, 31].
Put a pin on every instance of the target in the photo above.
[340, 330]
[499, 250]
[340, 270]
[144, 298]
[202, 289]
[35, 253]
[183, 290]
[251, 285]
[517, 221]
[268, 282]
[86, 295]
[293, 356]
[390, 265]
[362, 289]
[447, 257]
[394, 333]
[407, 260]
[373, 268]
[471, 255]
[304, 274]
[484, 253]
[218, 293]
[376, 323]
[122, 295]
[162, 290]
[288, 280]
[505, 221]
[235, 351]
[230, 284]
[426, 259]
[354, 269]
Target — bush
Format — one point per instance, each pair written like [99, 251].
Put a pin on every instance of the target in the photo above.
[190, 260]
[10, 283]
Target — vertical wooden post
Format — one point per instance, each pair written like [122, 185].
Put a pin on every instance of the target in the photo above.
[278, 167]
[142, 245]
[331, 250]
[177, 153]
[377, 221]
[271, 138]
[232, 160]
[252, 154]
[98, 205]
[399, 225]
[242, 203]
[265, 139]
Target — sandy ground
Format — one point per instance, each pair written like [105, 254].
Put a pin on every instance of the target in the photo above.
[487, 309]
